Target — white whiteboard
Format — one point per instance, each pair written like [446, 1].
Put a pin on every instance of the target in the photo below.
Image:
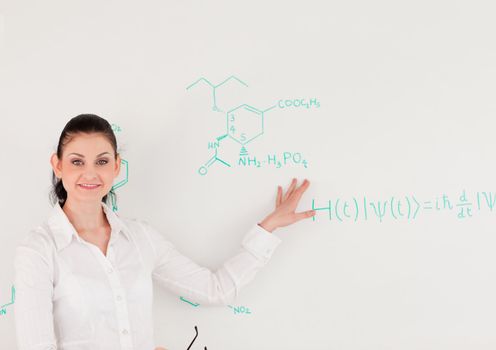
[404, 127]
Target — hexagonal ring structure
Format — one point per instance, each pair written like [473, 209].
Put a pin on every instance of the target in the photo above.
[245, 123]
[125, 179]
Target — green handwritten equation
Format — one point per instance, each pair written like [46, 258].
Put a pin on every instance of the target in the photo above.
[245, 123]
[408, 207]
[3, 308]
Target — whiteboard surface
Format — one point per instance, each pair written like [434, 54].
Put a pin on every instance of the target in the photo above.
[398, 143]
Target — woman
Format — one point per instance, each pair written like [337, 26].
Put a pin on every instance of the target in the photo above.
[84, 277]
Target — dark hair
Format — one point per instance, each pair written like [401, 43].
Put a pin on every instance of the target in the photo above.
[83, 123]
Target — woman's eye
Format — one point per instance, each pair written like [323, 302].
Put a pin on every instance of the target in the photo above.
[101, 162]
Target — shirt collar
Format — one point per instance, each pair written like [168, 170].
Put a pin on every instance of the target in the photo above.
[64, 231]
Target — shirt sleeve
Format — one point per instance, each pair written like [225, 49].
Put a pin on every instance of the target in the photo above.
[33, 303]
[181, 275]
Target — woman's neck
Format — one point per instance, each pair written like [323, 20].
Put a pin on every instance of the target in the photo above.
[85, 216]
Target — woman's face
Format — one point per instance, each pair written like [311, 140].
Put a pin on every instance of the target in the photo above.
[88, 159]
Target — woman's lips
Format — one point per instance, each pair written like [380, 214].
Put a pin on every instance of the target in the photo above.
[92, 187]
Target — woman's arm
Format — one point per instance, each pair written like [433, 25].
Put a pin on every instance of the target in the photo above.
[184, 277]
[33, 305]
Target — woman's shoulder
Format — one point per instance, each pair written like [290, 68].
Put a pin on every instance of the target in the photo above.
[135, 225]
[140, 225]
[142, 230]
[36, 235]
[37, 239]
[139, 229]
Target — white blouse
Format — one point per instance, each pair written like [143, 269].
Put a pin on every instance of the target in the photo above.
[70, 296]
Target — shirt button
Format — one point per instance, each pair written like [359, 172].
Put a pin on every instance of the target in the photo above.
[119, 298]
[267, 251]
[109, 270]
[125, 332]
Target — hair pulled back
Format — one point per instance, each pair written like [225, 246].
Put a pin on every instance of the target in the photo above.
[83, 123]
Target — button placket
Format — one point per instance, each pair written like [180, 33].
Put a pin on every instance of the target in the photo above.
[122, 314]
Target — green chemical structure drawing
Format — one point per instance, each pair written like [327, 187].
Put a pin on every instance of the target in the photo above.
[123, 176]
[245, 123]
[214, 89]
[3, 308]
[121, 180]
[116, 128]
[237, 310]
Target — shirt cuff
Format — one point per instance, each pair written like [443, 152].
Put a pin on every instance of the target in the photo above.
[261, 242]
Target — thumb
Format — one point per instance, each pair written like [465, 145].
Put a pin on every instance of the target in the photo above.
[305, 215]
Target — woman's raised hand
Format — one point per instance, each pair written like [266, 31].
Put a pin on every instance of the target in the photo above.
[284, 213]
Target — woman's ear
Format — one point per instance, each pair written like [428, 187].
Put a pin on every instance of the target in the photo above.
[54, 161]
[117, 168]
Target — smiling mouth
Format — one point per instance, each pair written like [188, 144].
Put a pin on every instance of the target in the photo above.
[88, 186]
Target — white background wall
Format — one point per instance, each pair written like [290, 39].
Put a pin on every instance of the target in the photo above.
[406, 92]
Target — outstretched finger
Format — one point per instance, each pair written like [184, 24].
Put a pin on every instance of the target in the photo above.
[305, 214]
[279, 196]
[300, 190]
[290, 189]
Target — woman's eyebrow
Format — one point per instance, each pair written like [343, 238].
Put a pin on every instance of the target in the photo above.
[80, 155]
